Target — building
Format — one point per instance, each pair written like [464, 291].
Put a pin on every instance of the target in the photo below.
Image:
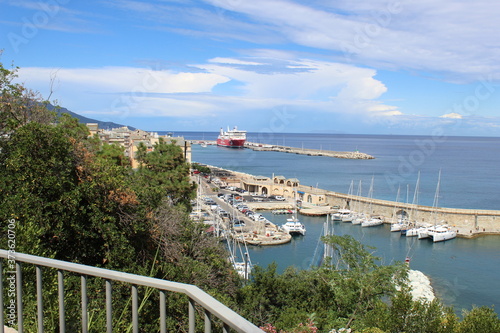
[131, 139]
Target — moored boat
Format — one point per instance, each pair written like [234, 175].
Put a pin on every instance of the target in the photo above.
[372, 222]
[344, 215]
[442, 233]
[293, 226]
[232, 138]
[398, 226]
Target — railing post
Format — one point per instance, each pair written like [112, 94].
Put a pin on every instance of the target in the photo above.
[2, 319]
[84, 304]
[225, 328]
[60, 292]
[19, 292]
[39, 298]
[109, 307]
[135, 311]
[208, 322]
[192, 322]
[163, 312]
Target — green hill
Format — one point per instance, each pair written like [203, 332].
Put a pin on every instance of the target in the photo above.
[84, 120]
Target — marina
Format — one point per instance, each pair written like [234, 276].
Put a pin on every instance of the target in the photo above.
[452, 266]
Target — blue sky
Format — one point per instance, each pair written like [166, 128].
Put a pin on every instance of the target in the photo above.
[362, 67]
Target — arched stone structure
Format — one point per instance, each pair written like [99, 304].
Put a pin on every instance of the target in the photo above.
[279, 180]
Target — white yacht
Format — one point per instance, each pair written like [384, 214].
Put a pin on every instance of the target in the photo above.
[344, 215]
[442, 233]
[293, 226]
[397, 226]
[372, 222]
[413, 232]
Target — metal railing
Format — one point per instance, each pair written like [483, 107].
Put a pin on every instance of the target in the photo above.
[212, 307]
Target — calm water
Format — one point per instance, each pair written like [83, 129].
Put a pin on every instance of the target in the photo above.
[463, 272]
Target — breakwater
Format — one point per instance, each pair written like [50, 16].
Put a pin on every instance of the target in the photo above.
[353, 155]
[310, 152]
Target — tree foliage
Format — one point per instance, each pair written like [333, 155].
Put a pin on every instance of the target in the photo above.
[163, 173]
[78, 200]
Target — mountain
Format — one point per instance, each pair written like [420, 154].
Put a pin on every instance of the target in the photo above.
[84, 120]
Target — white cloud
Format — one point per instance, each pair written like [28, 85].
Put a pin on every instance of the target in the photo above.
[233, 61]
[456, 39]
[261, 84]
[125, 79]
[452, 115]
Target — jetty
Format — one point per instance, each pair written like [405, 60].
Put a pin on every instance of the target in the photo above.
[309, 152]
[355, 155]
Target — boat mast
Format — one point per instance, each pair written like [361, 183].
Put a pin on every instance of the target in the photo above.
[436, 198]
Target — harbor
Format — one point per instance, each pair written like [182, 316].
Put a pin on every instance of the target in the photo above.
[451, 265]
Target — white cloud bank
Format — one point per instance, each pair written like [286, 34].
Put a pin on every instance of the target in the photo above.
[452, 115]
[453, 39]
[125, 79]
[260, 84]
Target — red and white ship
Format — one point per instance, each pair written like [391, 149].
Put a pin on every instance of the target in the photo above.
[232, 138]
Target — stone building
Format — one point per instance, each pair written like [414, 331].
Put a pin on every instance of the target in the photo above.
[131, 139]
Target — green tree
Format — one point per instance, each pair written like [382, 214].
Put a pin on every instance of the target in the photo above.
[114, 153]
[480, 319]
[201, 168]
[77, 200]
[163, 173]
[403, 314]
[357, 281]
[19, 105]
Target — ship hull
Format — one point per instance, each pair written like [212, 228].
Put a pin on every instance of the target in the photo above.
[231, 143]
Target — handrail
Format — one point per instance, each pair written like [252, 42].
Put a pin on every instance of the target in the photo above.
[210, 304]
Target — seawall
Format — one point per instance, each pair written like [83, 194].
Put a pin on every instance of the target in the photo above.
[310, 152]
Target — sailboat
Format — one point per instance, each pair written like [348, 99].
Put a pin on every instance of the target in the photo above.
[413, 232]
[327, 231]
[239, 259]
[344, 214]
[398, 223]
[359, 216]
[371, 221]
[426, 232]
[442, 232]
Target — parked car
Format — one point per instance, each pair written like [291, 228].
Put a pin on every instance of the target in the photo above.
[279, 198]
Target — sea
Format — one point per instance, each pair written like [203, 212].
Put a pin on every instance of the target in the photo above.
[463, 272]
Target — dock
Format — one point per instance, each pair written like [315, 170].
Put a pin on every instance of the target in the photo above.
[356, 155]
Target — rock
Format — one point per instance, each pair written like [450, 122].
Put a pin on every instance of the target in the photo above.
[420, 284]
